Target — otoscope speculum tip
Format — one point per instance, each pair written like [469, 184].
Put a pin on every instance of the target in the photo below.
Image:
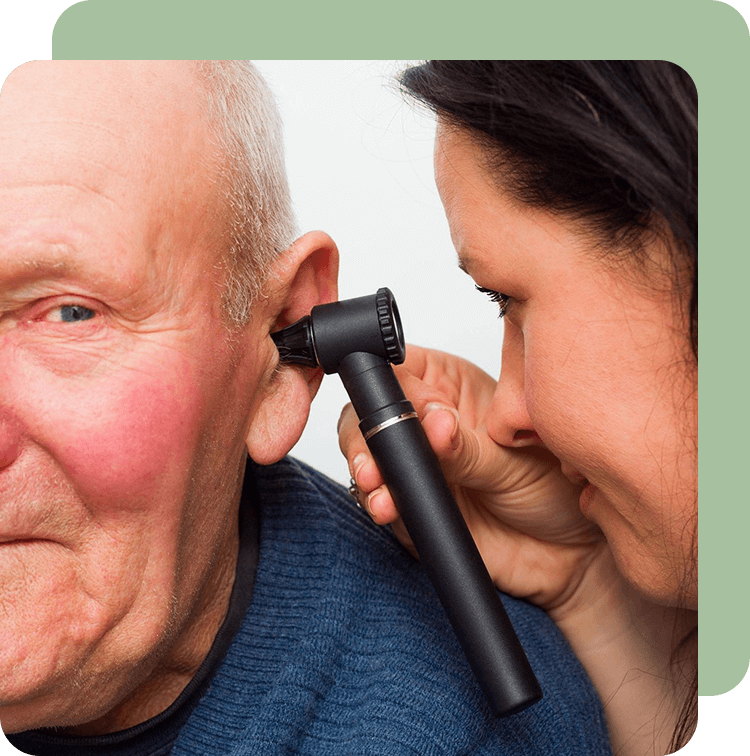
[295, 343]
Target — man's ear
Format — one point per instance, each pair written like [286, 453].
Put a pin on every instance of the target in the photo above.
[305, 275]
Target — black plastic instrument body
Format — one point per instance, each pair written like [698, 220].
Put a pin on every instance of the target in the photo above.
[437, 528]
[358, 339]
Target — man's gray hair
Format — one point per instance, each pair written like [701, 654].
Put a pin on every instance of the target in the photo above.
[257, 209]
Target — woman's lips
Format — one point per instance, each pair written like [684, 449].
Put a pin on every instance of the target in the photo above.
[584, 500]
[579, 479]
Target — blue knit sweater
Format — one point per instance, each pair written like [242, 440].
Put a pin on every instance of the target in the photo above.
[345, 651]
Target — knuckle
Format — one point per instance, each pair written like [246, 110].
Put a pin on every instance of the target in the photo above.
[345, 421]
[343, 417]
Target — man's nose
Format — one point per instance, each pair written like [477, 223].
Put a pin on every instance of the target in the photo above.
[509, 423]
[10, 440]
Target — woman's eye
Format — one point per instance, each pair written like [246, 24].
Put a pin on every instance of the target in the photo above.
[502, 300]
[71, 314]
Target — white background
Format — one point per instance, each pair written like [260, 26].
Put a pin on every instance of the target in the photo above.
[360, 168]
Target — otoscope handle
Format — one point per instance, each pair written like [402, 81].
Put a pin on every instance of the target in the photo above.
[446, 549]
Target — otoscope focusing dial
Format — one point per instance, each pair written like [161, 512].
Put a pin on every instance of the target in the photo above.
[390, 327]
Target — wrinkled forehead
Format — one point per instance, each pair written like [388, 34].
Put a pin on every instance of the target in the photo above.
[107, 144]
[120, 110]
[138, 98]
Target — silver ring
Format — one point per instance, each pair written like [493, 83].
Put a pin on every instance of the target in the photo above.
[390, 421]
[354, 491]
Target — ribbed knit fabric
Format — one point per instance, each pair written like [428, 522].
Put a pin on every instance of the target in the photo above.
[345, 651]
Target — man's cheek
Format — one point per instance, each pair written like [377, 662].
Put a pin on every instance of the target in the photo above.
[128, 437]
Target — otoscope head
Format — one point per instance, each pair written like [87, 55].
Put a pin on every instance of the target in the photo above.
[333, 331]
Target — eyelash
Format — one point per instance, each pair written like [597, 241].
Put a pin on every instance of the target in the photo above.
[502, 300]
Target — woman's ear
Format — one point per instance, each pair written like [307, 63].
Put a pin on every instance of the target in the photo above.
[305, 275]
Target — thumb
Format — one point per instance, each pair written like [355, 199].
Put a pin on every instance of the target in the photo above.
[468, 457]
[442, 425]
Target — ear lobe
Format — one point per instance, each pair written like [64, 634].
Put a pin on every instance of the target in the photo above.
[304, 276]
[281, 417]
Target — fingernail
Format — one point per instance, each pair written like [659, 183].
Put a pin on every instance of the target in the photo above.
[357, 463]
[435, 407]
[371, 499]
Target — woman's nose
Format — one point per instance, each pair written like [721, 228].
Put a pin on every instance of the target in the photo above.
[509, 423]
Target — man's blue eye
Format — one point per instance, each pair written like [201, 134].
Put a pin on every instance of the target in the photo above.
[74, 313]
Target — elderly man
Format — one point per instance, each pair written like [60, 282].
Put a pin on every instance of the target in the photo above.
[158, 592]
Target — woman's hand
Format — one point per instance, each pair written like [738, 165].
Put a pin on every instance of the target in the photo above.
[522, 512]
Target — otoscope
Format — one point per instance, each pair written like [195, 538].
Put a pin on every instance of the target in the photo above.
[358, 339]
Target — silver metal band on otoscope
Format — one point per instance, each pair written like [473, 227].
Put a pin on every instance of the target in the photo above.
[391, 421]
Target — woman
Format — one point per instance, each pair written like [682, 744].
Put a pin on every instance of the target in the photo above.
[571, 194]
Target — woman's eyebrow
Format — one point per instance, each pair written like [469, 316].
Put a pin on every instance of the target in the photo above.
[463, 264]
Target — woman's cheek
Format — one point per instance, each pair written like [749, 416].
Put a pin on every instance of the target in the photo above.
[556, 402]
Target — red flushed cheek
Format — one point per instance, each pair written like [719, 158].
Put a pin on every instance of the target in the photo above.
[124, 441]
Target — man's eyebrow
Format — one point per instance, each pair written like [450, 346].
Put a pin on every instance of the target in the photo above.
[22, 271]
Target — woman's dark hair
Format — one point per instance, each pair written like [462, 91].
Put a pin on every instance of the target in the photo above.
[612, 143]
